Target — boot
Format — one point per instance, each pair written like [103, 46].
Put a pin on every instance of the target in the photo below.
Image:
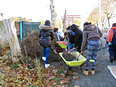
[85, 72]
[93, 72]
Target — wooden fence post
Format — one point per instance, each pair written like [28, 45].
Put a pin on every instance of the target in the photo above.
[12, 40]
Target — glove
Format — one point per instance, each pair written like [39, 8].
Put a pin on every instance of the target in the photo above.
[109, 43]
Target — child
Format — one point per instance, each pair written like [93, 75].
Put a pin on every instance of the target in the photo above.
[46, 36]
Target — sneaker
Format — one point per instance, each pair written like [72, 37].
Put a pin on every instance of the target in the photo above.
[47, 65]
[85, 72]
[44, 58]
[93, 72]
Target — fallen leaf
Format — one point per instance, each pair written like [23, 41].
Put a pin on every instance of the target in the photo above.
[62, 82]
[54, 83]
[76, 77]
[63, 75]
[52, 77]
[74, 73]
[77, 86]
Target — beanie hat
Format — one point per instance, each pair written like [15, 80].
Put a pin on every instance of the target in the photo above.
[47, 22]
[87, 23]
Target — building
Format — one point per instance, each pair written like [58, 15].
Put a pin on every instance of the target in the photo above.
[70, 19]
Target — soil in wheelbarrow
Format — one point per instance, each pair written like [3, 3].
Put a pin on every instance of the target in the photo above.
[68, 57]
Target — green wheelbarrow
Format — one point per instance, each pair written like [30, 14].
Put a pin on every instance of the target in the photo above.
[62, 45]
[81, 60]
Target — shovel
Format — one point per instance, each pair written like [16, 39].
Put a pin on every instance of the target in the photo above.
[77, 57]
[54, 50]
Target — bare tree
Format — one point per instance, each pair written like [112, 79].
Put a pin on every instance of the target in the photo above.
[94, 16]
[64, 21]
[108, 7]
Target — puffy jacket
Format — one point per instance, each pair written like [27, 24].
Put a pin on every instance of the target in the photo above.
[71, 36]
[46, 36]
[90, 33]
[78, 38]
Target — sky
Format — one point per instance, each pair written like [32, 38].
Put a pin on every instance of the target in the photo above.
[38, 10]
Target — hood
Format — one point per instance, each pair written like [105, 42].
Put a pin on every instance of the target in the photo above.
[89, 28]
[45, 27]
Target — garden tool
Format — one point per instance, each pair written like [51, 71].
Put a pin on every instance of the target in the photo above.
[54, 50]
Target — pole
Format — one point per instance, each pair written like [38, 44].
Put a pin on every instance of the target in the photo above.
[100, 14]
[21, 30]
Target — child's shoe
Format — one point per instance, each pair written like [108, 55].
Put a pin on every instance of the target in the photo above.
[47, 65]
[44, 58]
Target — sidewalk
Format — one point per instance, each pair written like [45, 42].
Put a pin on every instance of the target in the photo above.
[102, 78]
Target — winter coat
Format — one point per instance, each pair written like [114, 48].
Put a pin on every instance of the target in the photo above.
[71, 36]
[112, 35]
[78, 38]
[46, 36]
[90, 33]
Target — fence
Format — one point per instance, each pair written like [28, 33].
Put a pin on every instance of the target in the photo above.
[29, 28]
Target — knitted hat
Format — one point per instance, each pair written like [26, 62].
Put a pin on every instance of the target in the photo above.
[87, 23]
[47, 22]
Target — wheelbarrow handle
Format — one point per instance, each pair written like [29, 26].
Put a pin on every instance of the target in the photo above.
[54, 50]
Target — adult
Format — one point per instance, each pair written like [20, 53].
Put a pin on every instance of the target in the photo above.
[75, 37]
[46, 36]
[91, 40]
[112, 43]
[78, 37]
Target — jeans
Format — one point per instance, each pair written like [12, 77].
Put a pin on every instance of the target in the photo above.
[46, 52]
[112, 51]
[72, 46]
[92, 51]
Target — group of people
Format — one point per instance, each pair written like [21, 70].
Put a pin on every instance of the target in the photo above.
[79, 41]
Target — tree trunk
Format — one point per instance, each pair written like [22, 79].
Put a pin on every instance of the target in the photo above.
[12, 40]
[53, 13]
[64, 21]
[108, 22]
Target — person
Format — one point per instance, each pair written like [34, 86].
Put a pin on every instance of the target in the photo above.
[112, 43]
[75, 37]
[71, 40]
[65, 36]
[91, 40]
[46, 36]
[78, 37]
[60, 34]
